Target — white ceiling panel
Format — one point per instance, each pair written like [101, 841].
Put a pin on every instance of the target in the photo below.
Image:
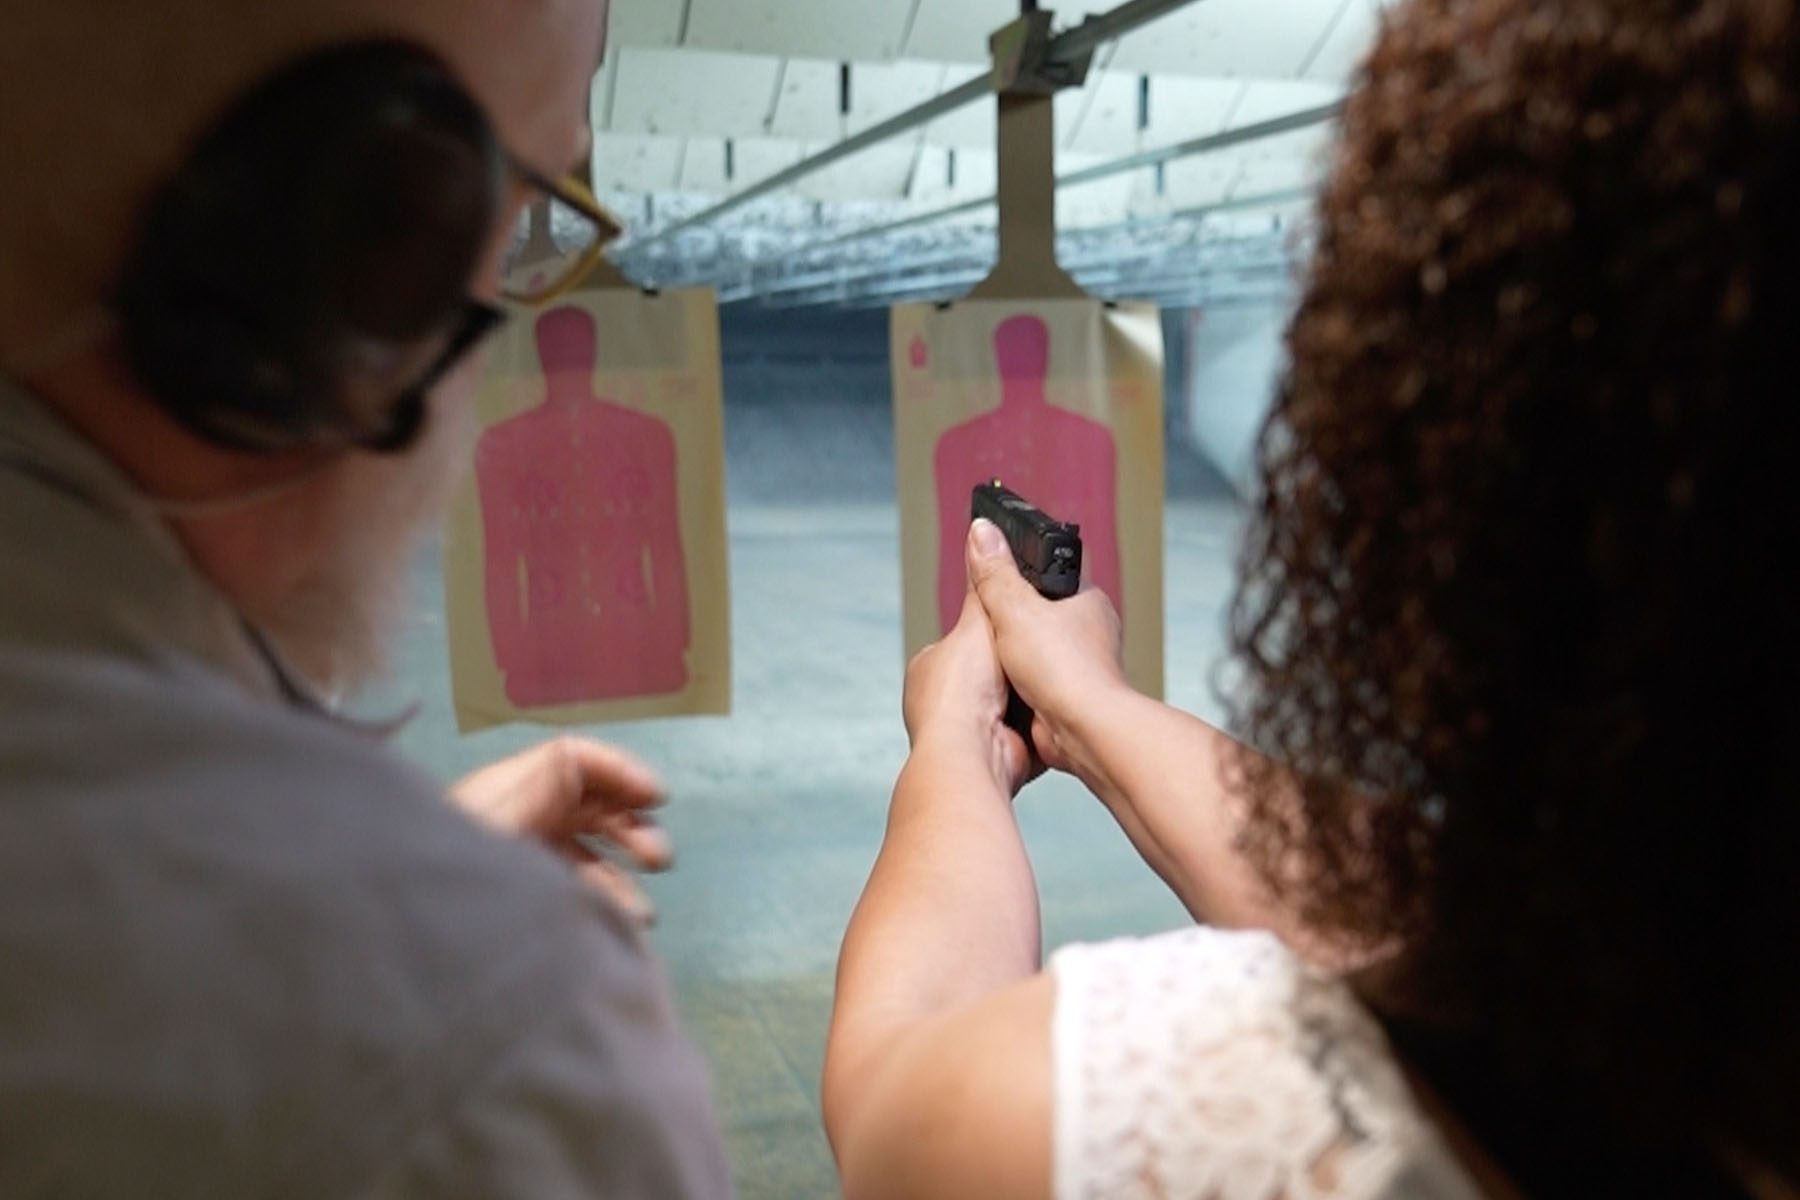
[705, 162]
[879, 91]
[1292, 160]
[644, 23]
[1341, 53]
[1180, 109]
[1275, 164]
[881, 173]
[798, 99]
[1101, 118]
[703, 167]
[688, 78]
[844, 30]
[1267, 175]
[1071, 107]
[755, 159]
[631, 162]
[600, 95]
[976, 175]
[1183, 108]
[806, 105]
[809, 104]
[958, 30]
[971, 126]
[1230, 38]
[1190, 182]
[1103, 202]
[1234, 38]
[1264, 100]
[692, 92]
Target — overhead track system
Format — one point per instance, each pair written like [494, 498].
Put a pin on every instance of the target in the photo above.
[807, 280]
[1189, 268]
[1070, 46]
[1193, 148]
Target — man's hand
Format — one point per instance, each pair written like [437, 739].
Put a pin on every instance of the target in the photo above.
[956, 697]
[570, 792]
[1062, 656]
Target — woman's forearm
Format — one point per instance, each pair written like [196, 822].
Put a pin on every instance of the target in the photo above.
[1166, 776]
[950, 913]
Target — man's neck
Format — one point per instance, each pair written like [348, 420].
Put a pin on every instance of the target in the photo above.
[97, 398]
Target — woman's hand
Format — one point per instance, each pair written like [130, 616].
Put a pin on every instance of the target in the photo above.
[569, 794]
[938, 1056]
[1065, 657]
[956, 698]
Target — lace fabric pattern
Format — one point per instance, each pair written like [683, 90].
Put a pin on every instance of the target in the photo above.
[1208, 1065]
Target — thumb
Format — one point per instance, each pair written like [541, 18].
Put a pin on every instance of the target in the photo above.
[994, 576]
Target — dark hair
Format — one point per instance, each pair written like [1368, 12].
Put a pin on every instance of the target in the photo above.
[1514, 607]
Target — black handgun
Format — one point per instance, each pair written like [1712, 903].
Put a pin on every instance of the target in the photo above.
[1048, 553]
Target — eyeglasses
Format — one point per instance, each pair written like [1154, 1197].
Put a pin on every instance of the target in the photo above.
[557, 241]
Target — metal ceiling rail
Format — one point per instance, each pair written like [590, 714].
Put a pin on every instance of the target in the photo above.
[1154, 283]
[938, 294]
[1304, 119]
[1098, 272]
[1189, 292]
[1076, 240]
[901, 226]
[1193, 148]
[1200, 212]
[1262, 200]
[1065, 47]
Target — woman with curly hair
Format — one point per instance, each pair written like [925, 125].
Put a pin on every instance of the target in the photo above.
[1509, 906]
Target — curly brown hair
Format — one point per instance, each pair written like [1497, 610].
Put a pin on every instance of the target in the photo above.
[1518, 566]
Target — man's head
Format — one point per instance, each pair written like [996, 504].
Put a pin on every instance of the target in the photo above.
[100, 106]
[101, 103]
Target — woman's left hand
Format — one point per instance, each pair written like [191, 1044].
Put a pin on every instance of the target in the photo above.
[956, 697]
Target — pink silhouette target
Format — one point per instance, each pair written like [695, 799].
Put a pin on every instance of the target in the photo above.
[586, 577]
[1065, 464]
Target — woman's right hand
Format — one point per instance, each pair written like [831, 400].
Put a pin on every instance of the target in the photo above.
[1063, 657]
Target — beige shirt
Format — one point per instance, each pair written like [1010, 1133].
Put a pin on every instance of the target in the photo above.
[244, 950]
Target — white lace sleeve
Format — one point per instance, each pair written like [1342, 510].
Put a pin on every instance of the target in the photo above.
[1214, 1066]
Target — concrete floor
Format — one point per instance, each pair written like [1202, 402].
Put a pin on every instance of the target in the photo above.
[777, 812]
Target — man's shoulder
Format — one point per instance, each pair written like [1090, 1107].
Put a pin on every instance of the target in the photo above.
[259, 800]
[271, 924]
